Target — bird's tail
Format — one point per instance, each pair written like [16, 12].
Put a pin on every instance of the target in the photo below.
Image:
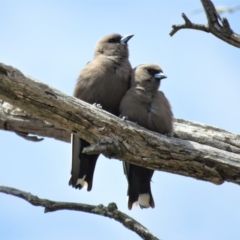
[145, 198]
[139, 188]
[83, 165]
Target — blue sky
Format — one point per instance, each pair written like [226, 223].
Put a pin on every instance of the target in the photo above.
[52, 41]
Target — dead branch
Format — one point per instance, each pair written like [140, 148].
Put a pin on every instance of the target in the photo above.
[219, 9]
[110, 211]
[16, 120]
[125, 140]
[216, 25]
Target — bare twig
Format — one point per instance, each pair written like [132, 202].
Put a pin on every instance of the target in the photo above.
[219, 9]
[218, 26]
[125, 140]
[188, 25]
[29, 138]
[110, 211]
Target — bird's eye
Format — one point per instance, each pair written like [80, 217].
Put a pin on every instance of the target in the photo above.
[113, 40]
[151, 71]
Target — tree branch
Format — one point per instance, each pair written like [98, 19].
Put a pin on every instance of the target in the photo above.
[219, 9]
[188, 25]
[110, 211]
[125, 140]
[16, 120]
[218, 26]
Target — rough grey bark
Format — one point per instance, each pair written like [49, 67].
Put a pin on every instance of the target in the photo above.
[16, 120]
[216, 25]
[125, 140]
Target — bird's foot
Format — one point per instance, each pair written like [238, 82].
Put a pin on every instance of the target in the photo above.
[97, 105]
[126, 118]
[168, 134]
[123, 117]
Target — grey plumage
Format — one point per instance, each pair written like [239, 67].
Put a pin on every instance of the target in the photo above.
[147, 106]
[104, 80]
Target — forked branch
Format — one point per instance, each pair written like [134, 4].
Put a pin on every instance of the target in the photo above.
[216, 25]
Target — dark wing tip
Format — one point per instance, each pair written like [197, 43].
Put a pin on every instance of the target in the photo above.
[130, 205]
[89, 188]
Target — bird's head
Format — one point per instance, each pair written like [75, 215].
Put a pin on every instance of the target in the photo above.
[113, 45]
[147, 76]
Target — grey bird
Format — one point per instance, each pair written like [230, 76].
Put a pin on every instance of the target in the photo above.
[104, 81]
[149, 108]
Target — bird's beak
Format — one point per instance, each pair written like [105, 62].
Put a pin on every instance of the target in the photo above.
[126, 38]
[160, 76]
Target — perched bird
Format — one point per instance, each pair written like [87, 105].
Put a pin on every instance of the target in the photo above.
[148, 107]
[104, 81]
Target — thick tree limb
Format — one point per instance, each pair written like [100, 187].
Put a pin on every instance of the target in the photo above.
[125, 140]
[16, 120]
[110, 211]
[216, 25]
